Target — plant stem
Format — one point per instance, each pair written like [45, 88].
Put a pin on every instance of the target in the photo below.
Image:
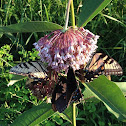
[41, 9]
[74, 114]
[72, 14]
[67, 14]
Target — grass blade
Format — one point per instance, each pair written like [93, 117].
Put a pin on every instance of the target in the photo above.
[114, 19]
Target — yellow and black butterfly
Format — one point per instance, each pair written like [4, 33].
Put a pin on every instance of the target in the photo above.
[32, 69]
[100, 64]
[37, 74]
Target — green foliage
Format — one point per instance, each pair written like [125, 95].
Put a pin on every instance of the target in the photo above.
[95, 114]
[90, 9]
[16, 48]
[14, 99]
[5, 56]
[110, 95]
[34, 116]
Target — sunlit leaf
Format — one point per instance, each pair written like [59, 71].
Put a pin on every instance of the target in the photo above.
[110, 94]
[15, 79]
[122, 86]
[1, 34]
[34, 26]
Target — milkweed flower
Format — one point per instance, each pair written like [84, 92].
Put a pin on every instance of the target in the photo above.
[73, 47]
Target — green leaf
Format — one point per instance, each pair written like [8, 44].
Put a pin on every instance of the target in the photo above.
[15, 78]
[89, 96]
[90, 9]
[56, 118]
[122, 86]
[110, 94]
[67, 115]
[34, 26]
[34, 116]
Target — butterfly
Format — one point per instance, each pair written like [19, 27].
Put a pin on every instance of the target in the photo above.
[38, 81]
[100, 64]
[65, 92]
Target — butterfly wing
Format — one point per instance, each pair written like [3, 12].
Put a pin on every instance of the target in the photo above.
[71, 83]
[37, 78]
[41, 88]
[105, 64]
[32, 69]
[100, 64]
[65, 92]
[59, 95]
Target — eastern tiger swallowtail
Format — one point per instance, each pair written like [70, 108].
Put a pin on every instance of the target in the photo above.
[100, 64]
[65, 92]
[32, 69]
[38, 81]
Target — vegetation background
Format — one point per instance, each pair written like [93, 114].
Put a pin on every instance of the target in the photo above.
[18, 47]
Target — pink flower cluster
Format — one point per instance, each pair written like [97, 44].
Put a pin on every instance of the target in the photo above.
[73, 47]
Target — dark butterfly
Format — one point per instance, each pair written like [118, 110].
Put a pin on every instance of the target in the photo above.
[65, 92]
[100, 64]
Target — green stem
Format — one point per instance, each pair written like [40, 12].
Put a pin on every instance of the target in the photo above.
[67, 15]
[41, 9]
[74, 114]
[72, 14]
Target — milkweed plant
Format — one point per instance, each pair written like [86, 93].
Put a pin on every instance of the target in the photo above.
[71, 46]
